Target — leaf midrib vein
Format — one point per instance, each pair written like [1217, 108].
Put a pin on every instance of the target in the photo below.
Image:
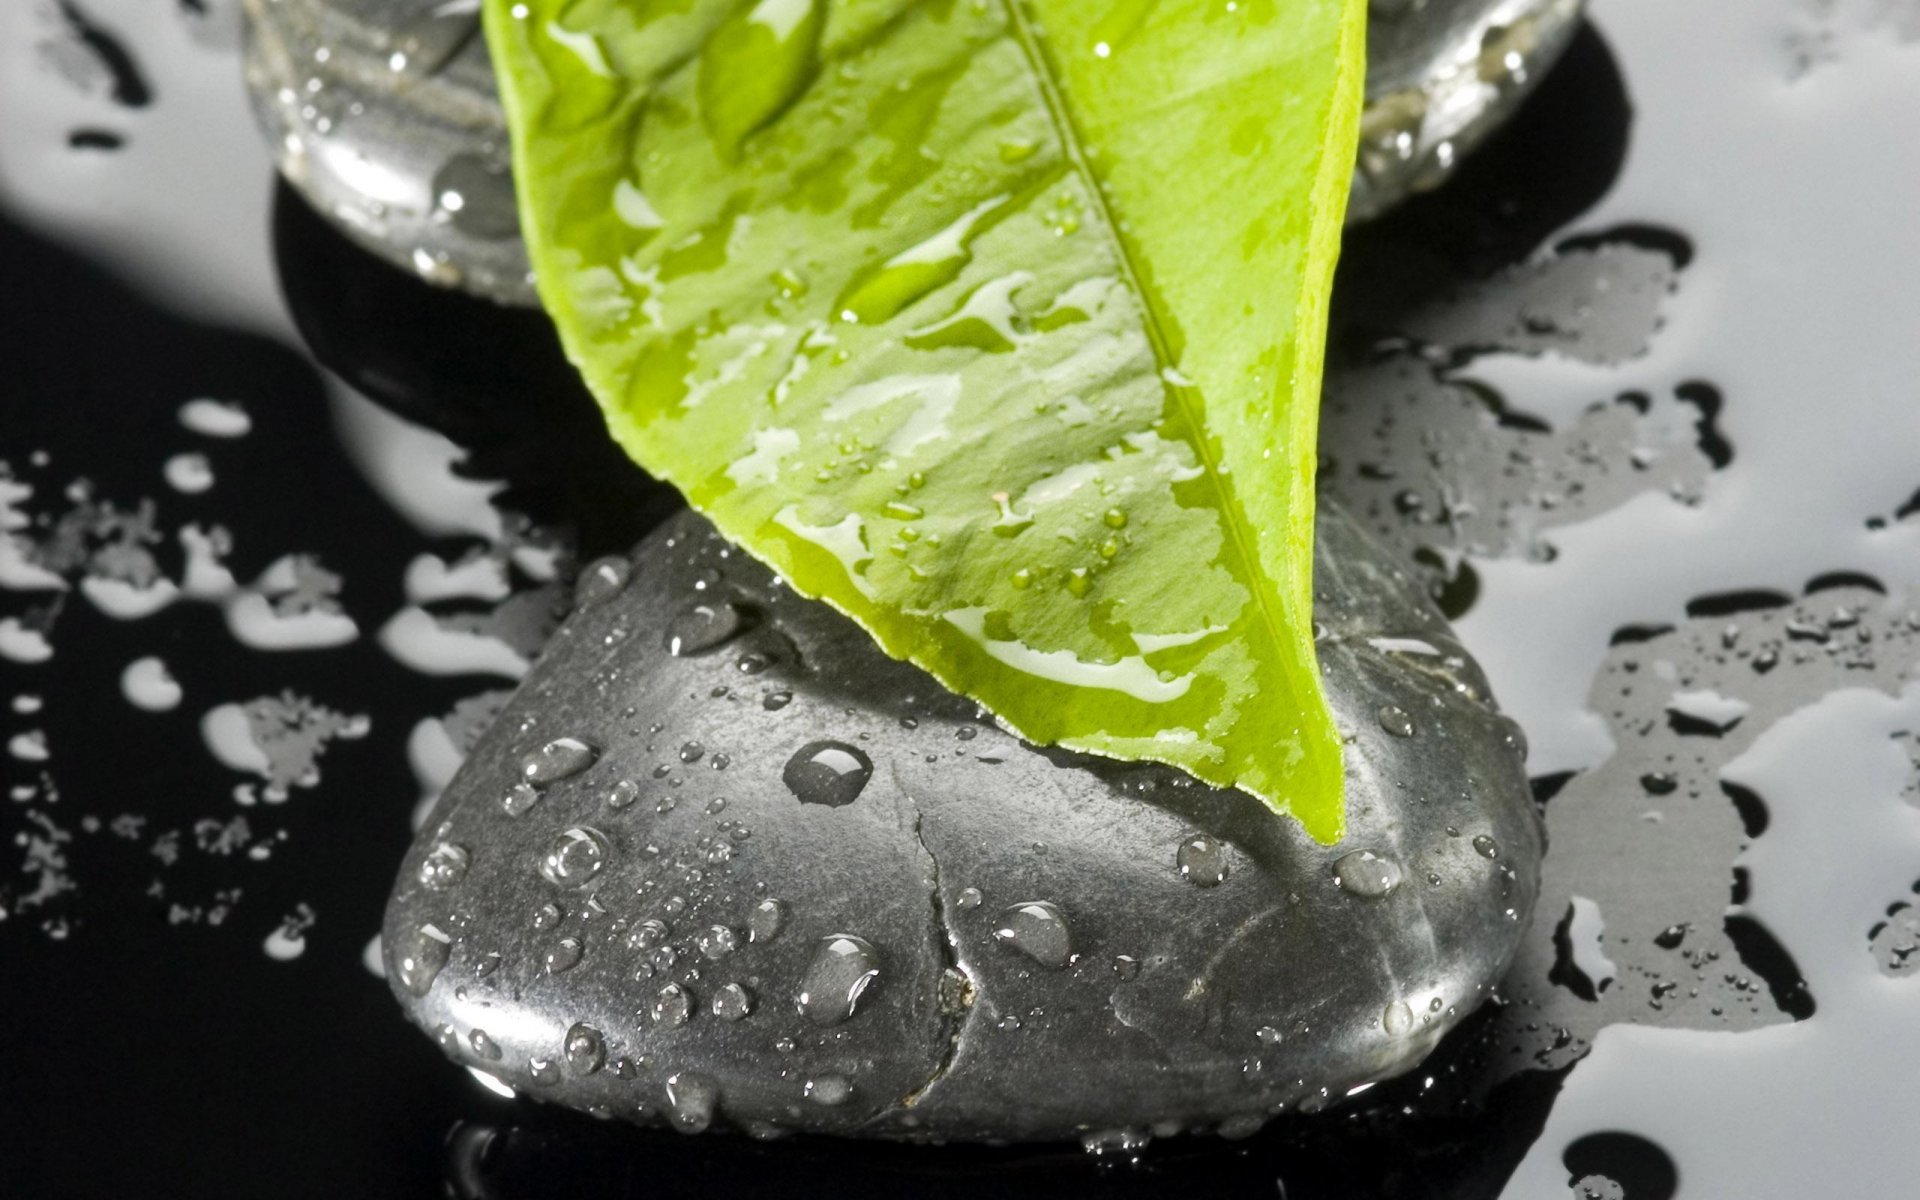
[1071, 141]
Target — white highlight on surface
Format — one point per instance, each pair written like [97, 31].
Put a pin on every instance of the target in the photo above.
[148, 684]
[216, 418]
[123, 601]
[421, 643]
[30, 746]
[189, 473]
[229, 736]
[21, 644]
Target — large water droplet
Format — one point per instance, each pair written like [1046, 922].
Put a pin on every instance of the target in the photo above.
[829, 773]
[561, 758]
[1395, 720]
[586, 1049]
[648, 934]
[444, 866]
[622, 794]
[564, 956]
[732, 1002]
[672, 1006]
[601, 580]
[842, 970]
[519, 798]
[717, 942]
[576, 856]
[483, 1045]
[419, 961]
[1365, 873]
[830, 1090]
[766, 920]
[1038, 930]
[476, 194]
[1398, 1019]
[1486, 847]
[702, 627]
[691, 1098]
[1203, 860]
[429, 41]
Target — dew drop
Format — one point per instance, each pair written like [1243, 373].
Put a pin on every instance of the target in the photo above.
[476, 194]
[444, 866]
[601, 580]
[547, 916]
[576, 857]
[648, 934]
[519, 798]
[672, 1006]
[842, 970]
[717, 943]
[1486, 847]
[1364, 873]
[585, 1049]
[776, 701]
[622, 794]
[1397, 1020]
[830, 1090]
[1038, 930]
[829, 773]
[564, 956]
[419, 962]
[766, 920]
[561, 758]
[969, 898]
[732, 1002]
[691, 1098]
[483, 1045]
[702, 627]
[1203, 860]
[1395, 720]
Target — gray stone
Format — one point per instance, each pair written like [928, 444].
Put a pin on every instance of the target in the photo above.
[984, 939]
[403, 94]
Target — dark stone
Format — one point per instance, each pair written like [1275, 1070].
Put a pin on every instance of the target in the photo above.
[1157, 1004]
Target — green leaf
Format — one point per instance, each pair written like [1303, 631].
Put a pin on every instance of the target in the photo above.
[997, 324]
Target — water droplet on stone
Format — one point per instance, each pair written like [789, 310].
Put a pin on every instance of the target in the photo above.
[519, 798]
[672, 1006]
[1038, 930]
[1268, 1035]
[564, 956]
[969, 898]
[1395, 720]
[476, 194]
[428, 41]
[444, 866]
[545, 1071]
[692, 752]
[561, 758]
[648, 934]
[842, 970]
[418, 963]
[576, 856]
[717, 943]
[829, 1090]
[691, 1098]
[622, 794]
[829, 773]
[732, 1002]
[602, 580]
[1398, 1019]
[1486, 847]
[776, 701]
[1364, 873]
[766, 920]
[1203, 860]
[702, 627]
[483, 1045]
[586, 1049]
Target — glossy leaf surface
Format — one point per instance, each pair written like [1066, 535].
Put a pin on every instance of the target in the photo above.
[996, 325]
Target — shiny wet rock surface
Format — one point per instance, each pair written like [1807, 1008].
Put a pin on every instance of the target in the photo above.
[718, 828]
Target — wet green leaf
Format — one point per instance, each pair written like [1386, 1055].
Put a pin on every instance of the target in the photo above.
[995, 324]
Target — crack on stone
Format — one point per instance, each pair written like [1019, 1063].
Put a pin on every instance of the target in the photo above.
[950, 968]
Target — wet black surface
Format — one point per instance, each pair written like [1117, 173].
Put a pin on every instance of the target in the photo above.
[147, 1058]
